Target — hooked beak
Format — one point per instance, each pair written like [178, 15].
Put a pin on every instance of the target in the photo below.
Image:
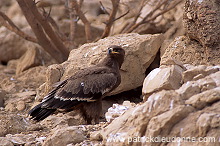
[112, 51]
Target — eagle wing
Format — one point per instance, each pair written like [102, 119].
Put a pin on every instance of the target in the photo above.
[83, 88]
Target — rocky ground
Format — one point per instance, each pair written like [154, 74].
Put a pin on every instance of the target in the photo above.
[169, 95]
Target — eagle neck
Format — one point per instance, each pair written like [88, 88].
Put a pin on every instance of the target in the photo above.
[111, 62]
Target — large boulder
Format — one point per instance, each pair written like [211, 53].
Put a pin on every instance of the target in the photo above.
[163, 78]
[140, 52]
[11, 45]
[21, 54]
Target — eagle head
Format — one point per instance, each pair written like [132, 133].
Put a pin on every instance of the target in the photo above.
[116, 53]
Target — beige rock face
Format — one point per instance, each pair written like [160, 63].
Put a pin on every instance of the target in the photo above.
[203, 99]
[188, 52]
[190, 111]
[202, 23]
[198, 72]
[140, 52]
[167, 78]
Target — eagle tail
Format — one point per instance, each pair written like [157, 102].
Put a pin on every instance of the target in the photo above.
[38, 113]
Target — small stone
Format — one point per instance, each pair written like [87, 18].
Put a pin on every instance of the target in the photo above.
[20, 105]
[96, 136]
[5, 142]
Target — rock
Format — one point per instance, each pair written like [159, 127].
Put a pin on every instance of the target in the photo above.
[16, 140]
[20, 105]
[190, 111]
[116, 110]
[163, 123]
[188, 52]
[5, 142]
[71, 119]
[198, 72]
[174, 31]
[188, 89]
[215, 78]
[34, 56]
[33, 77]
[18, 101]
[23, 139]
[163, 78]
[30, 54]
[65, 135]
[191, 88]
[140, 52]
[123, 126]
[25, 94]
[205, 121]
[205, 98]
[95, 136]
[194, 126]
[9, 45]
[200, 19]
[53, 74]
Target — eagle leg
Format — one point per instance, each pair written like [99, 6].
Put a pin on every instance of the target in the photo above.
[91, 111]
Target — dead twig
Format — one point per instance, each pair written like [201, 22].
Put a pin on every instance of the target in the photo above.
[150, 16]
[143, 2]
[115, 4]
[73, 23]
[81, 15]
[122, 15]
[6, 22]
[55, 26]
[103, 8]
[33, 19]
[47, 28]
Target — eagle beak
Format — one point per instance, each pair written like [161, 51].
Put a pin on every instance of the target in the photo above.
[113, 52]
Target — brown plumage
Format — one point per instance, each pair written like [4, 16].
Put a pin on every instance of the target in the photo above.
[85, 89]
